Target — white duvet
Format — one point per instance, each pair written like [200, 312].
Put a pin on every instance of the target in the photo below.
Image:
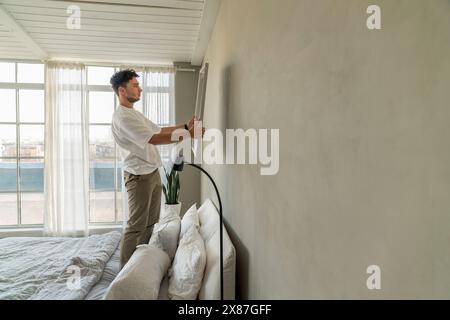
[53, 268]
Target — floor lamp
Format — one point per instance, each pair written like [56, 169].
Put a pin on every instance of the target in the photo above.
[179, 166]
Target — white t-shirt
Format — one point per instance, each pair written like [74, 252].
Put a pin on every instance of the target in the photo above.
[132, 132]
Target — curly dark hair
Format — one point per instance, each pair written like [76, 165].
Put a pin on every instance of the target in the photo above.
[121, 78]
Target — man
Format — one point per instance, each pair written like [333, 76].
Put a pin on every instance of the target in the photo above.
[138, 137]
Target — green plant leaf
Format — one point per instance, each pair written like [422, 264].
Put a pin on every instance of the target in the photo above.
[177, 188]
[172, 187]
[172, 190]
[165, 193]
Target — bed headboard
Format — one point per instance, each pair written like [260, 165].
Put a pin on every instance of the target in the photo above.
[209, 230]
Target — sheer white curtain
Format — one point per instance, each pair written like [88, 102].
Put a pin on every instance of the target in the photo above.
[157, 104]
[67, 153]
[158, 86]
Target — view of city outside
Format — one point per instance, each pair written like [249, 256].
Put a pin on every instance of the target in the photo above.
[22, 131]
[22, 143]
[103, 186]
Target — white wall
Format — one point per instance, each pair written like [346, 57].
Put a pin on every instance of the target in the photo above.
[364, 119]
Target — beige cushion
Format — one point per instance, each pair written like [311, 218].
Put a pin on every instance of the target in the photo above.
[186, 274]
[209, 229]
[164, 289]
[141, 276]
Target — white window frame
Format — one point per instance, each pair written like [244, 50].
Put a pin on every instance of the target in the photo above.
[21, 86]
[102, 88]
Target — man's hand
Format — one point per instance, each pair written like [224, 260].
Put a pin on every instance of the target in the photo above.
[191, 127]
[192, 132]
[191, 122]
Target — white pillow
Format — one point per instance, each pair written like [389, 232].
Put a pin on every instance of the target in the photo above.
[186, 274]
[190, 218]
[141, 276]
[165, 236]
[210, 232]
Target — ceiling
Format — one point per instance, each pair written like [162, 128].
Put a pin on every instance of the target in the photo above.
[117, 31]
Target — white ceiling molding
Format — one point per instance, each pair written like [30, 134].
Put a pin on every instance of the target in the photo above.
[179, 4]
[210, 11]
[20, 34]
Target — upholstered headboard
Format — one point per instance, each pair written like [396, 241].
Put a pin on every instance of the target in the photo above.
[209, 230]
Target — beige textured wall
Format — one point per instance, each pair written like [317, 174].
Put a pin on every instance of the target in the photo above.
[185, 96]
[364, 119]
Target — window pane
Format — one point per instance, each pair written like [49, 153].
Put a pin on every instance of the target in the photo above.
[31, 140]
[101, 175]
[101, 143]
[30, 73]
[99, 75]
[119, 177]
[119, 207]
[32, 179]
[7, 72]
[8, 105]
[101, 107]
[8, 214]
[119, 198]
[32, 175]
[8, 140]
[8, 195]
[8, 174]
[102, 207]
[31, 105]
[118, 155]
[32, 208]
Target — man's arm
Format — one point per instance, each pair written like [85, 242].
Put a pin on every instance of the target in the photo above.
[166, 138]
[163, 138]
[188, 125]
[165, 135]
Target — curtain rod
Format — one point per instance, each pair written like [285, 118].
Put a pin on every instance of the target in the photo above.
[103, 63]
[106, 64]
[98, 63]
[185, 69]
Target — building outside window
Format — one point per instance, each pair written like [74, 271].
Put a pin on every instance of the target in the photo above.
[22, 119]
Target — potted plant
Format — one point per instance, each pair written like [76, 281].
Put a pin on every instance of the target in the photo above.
[171, 190]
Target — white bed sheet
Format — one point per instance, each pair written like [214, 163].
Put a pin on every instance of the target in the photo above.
[111, 270]
[45, 268]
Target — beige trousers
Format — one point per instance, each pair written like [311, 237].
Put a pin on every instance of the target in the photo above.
[144, 202]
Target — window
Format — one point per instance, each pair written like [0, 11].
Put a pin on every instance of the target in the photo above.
[22, 144]
[22, 147]
[104, 186]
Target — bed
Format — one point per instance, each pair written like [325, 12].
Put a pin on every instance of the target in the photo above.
[38, 268]
[45, 268]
